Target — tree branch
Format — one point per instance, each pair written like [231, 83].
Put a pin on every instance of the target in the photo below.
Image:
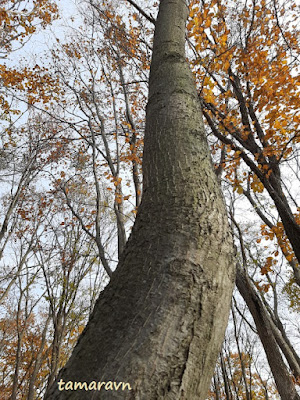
[141, 11]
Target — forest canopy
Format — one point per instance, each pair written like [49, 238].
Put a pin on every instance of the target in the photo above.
[72, 123]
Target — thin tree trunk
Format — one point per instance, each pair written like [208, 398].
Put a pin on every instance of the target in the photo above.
[160, 322]
[261, 318]
[287, 348]
[17, 366]
[225, 378]
[38, 362]
[282, 340]
[56, 345]
[243, 370]
[216, 388]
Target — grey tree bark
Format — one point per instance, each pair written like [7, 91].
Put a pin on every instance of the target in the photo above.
[160, 322]
[263, 323]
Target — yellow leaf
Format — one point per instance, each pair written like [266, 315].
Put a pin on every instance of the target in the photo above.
[240, 190]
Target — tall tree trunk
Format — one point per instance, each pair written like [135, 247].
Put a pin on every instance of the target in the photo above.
[225, 378]
[286, 347]
[38, 362]
[160, 322]
[262, 320]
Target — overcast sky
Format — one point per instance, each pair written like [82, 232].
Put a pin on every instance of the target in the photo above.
[41, 41]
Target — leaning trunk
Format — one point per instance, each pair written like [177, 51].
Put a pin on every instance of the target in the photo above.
[262, 321]
[160, 322]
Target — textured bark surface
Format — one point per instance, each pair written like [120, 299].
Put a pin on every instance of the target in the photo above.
[160, 322]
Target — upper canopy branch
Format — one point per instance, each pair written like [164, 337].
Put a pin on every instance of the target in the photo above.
[141, 11]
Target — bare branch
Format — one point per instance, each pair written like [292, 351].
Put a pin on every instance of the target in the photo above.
[141, 11]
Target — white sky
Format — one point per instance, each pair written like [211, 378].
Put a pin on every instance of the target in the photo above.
[41, 41]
